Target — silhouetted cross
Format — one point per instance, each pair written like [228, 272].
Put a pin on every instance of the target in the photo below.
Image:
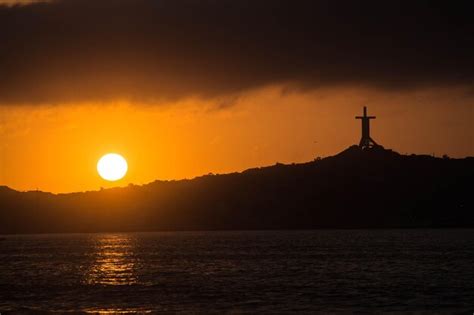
[366, 141]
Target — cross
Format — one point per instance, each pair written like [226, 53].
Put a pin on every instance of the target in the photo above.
[366, 141]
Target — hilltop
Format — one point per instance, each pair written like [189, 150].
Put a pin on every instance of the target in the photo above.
[372, 188]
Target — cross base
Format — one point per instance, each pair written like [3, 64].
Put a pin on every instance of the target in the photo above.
[367, 143]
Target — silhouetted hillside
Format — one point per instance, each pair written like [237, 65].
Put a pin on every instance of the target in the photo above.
[374, 188]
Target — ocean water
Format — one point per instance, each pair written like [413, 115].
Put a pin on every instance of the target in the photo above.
[239, 272]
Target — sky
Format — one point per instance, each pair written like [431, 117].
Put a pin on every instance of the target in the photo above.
[183, 88]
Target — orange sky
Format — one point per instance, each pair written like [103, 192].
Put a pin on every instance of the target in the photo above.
[56, 148]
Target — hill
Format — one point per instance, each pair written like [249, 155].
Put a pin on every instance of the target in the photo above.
[374, 188]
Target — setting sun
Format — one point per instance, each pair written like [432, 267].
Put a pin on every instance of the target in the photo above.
[112, 167]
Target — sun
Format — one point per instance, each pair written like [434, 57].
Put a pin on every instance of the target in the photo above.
[112, 167]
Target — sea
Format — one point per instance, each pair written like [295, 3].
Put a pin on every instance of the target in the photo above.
[235, 272]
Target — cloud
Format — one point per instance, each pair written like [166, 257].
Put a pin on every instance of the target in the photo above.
[86, 50]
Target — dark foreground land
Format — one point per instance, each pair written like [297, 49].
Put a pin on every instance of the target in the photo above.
[375, 188]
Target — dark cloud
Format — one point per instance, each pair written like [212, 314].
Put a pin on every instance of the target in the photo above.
[89, 50]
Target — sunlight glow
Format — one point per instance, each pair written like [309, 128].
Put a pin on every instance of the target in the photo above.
[112, 167]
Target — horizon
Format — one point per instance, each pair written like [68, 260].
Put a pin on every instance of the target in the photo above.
[126, 185]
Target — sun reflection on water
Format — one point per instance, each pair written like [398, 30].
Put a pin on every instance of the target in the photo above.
[114, 261]
[116, 311]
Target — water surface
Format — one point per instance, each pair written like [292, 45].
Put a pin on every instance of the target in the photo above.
[239, 272]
